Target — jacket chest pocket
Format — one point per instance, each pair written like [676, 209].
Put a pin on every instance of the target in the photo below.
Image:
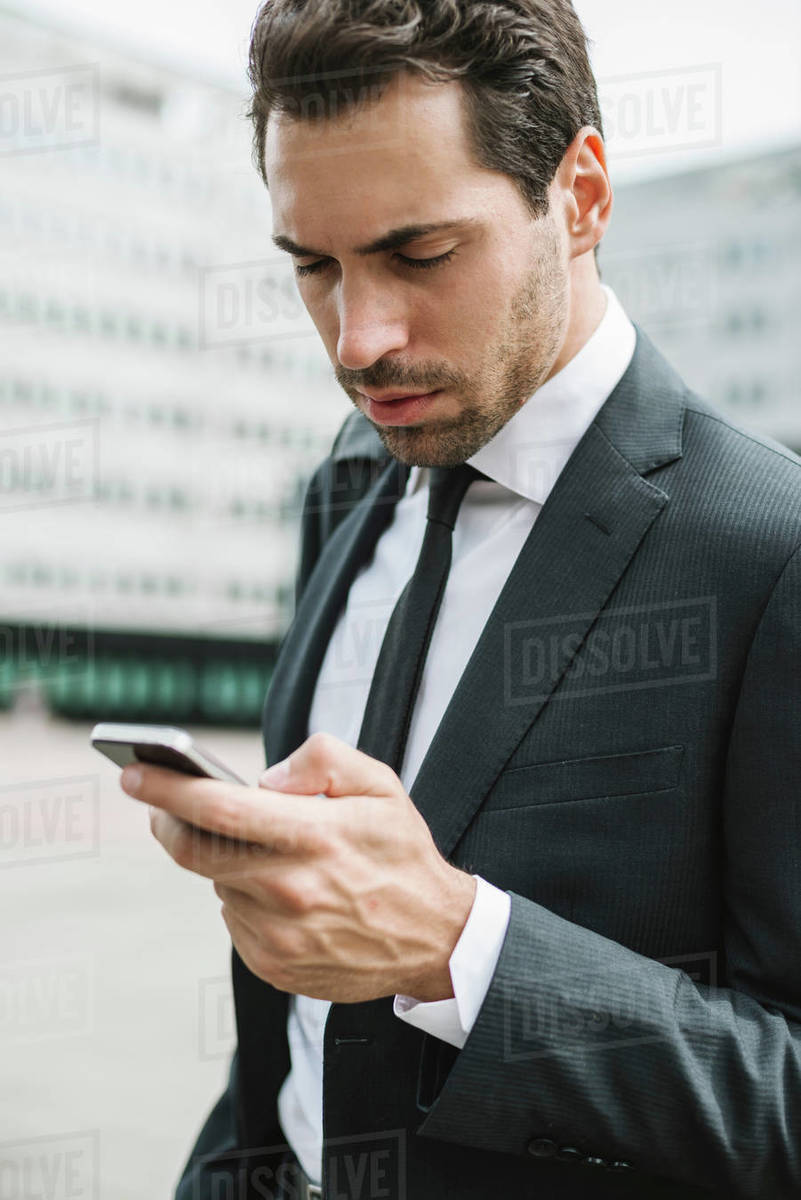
[601, 840]
[594, 778]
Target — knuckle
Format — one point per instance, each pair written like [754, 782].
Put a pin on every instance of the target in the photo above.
[292, 896]
[321, 748]
[280, 979]
[272, 956]
[390, 779]
[328, 841]
[320, 742]
[282, 948]
[285, 843]
[297, 903]
[264, 964]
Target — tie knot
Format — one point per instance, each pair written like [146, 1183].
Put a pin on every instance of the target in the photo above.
[446, 489]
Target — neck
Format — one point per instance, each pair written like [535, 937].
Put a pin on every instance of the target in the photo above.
[587, 306]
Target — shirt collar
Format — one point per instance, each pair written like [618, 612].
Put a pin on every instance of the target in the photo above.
[529, 452]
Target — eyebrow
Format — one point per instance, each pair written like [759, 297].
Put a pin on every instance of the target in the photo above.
[387, 241]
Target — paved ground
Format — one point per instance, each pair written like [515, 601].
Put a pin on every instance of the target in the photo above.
[115, 1011]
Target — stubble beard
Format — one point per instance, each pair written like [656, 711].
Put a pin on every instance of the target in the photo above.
[533, 336]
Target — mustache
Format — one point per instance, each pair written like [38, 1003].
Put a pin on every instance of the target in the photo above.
[384, 382]
[366, 385]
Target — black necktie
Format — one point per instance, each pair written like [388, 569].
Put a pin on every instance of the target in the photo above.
[399, 668]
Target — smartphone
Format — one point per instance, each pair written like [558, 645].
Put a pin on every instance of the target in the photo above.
[162, 746]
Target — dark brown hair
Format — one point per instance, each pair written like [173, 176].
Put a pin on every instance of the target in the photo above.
[523, 64]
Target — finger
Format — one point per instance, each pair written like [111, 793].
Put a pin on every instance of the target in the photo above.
[325, 764]
[204, 853]
[248, 910]
[285, 824]
[244, 939]
[265, 959]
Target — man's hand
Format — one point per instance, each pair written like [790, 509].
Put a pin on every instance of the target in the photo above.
[341, 895]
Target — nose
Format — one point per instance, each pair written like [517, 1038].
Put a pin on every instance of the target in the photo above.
[372, 323]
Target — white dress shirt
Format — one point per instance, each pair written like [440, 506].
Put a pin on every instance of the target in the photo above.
[523, 461]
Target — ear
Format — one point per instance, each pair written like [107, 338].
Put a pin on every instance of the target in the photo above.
[582, 180]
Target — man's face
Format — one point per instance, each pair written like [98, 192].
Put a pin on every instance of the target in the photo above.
[481, 329]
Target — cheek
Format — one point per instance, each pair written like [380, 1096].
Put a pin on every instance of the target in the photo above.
[463, 317]
[479, 295]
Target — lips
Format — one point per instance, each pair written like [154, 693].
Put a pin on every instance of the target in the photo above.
[403, 410]
[388, 397]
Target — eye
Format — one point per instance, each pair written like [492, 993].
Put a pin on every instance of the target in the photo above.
[416, 264]
[424, 263]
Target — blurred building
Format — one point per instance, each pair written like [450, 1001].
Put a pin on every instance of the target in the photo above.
[162, 399]
[708, 262]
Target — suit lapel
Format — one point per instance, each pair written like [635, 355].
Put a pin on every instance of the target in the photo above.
[589, 529]
[580, 545]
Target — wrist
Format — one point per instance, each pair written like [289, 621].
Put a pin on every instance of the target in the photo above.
[435, 983]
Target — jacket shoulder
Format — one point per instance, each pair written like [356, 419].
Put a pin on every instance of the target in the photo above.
[739, 487]
[756, 466]
[711, 423]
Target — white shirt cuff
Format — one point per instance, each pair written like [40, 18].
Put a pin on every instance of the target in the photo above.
[471, 965]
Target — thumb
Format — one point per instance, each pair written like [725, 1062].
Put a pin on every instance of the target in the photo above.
[277, 777]
[326, 766]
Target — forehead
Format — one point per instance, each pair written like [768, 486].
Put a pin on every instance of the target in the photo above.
[390, 155]
[407, 118]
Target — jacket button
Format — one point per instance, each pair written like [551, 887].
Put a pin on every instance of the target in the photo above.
[570, 1154]
[541, 1147]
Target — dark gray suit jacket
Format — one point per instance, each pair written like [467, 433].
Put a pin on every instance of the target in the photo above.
[623, 756]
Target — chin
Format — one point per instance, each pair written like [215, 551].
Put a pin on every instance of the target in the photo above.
[418, 447]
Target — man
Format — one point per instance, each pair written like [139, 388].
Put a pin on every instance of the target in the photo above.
[554, 950]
